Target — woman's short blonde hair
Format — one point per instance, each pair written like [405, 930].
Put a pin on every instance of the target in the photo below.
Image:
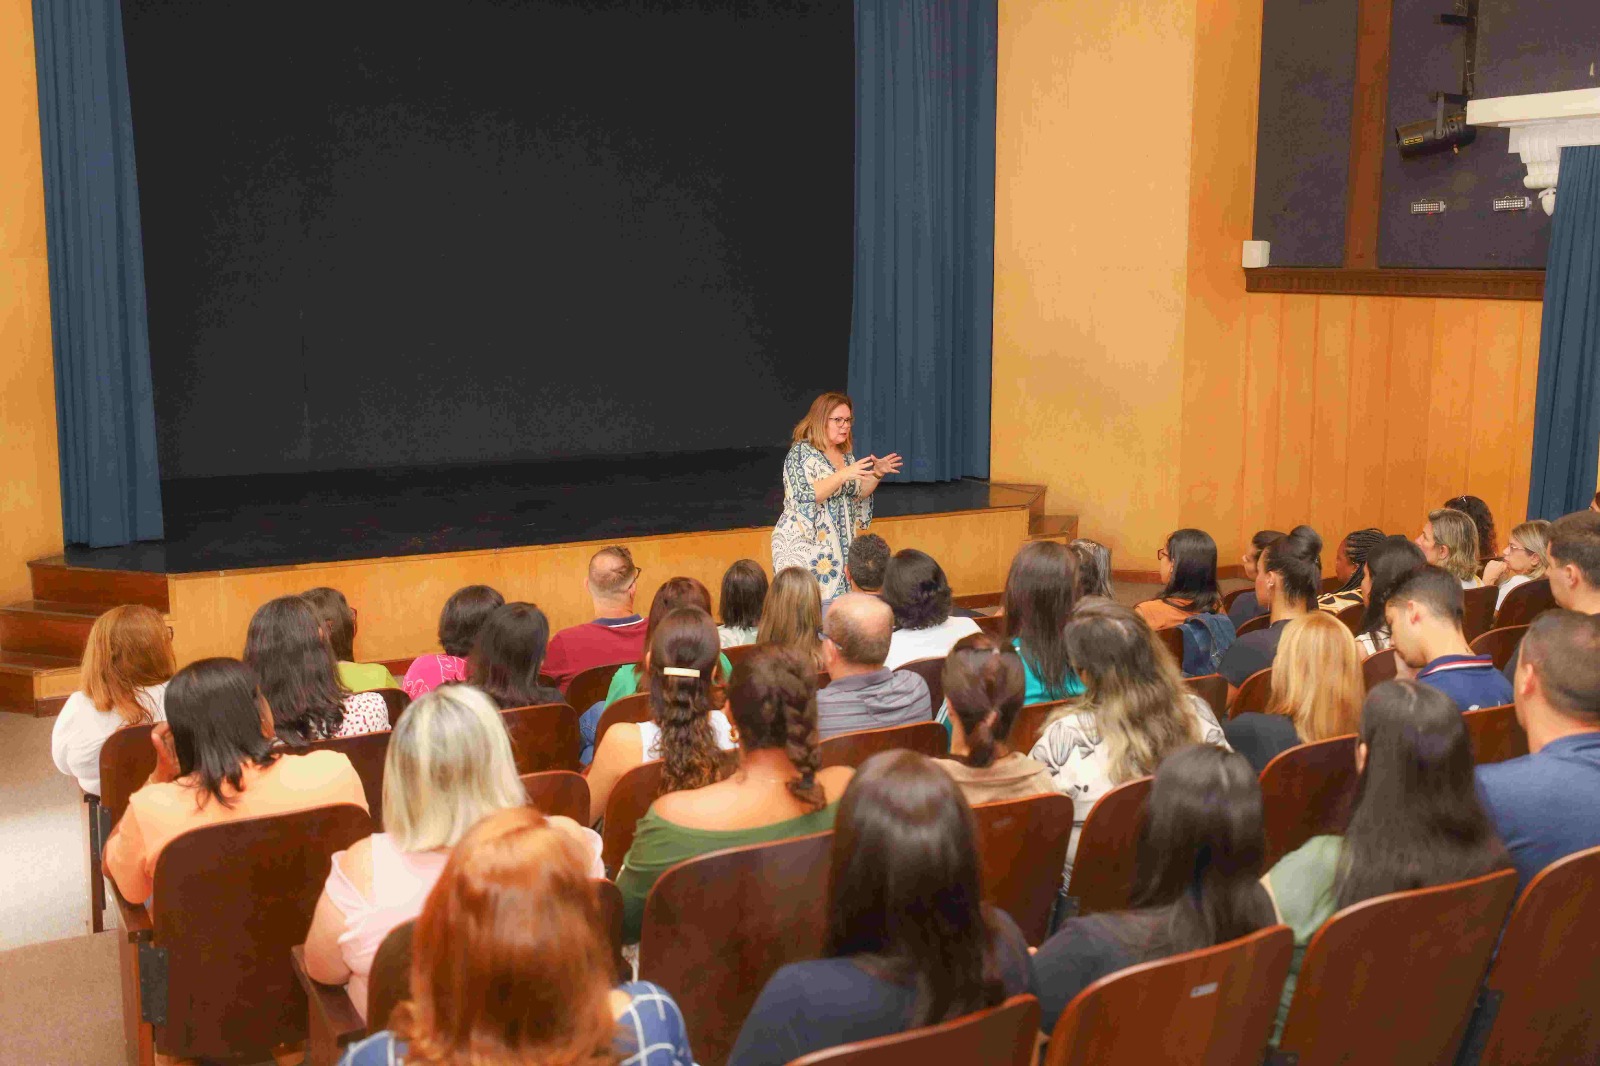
[813, 428]
[1535, 536]
[1316, 678]
[449, 764]
[1458, 533]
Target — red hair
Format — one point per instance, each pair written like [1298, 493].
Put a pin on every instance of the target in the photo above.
[129, 648]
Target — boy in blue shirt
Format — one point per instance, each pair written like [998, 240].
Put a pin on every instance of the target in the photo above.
[1424, 616]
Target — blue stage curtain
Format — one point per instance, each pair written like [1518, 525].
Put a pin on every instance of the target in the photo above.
[105, 410]
[1566, 421]
[922, 314]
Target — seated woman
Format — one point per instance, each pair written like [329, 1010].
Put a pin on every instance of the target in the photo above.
[1041, 590]
[1526, 558]
[1094, 569]
[1449, 540]
[676, 593]
[507, 655]
[777, 792]
[687, 730]
[1135, 713]
[1349, 566]
[1389, 564]
[217, 761]
[1316, 692]
[448, 766]
[1287, 579]
[127, 663]
[910, 942]
[1189, 571]
[1245, 606]
[463, 616]
[1416, 821]
[983, 687]
[290, 655]
[916, 589]
[1196, 880]
[338, 621]
[792, 616]
[514, 909]
[1482, 522]
[744, 593]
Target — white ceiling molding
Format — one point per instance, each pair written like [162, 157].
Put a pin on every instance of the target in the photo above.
[1542, 124]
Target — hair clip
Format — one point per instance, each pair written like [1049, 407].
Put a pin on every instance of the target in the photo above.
[679, 671]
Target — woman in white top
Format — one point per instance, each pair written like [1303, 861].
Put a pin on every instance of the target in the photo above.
[126, 666]
[744, 594]
[449, 765]
[688, 731]
[1135, 712]
[1526, 558]
[915, 588]
[1389, 563]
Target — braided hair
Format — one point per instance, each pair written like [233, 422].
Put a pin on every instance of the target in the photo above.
[685, 643]
[1356, 547]
[773, 697]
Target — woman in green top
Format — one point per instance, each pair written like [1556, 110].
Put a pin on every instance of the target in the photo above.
[777, 792]
[675, 593]
[338, 621]
[1416, 822]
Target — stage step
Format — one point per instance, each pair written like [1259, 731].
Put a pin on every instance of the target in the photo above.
[54, 581]
[36, 684]
[47, 627]
[1057, 527]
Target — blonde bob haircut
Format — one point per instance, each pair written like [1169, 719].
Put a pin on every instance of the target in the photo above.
[813, 428]
[449, 764]
[1459, 534]
[1535, 537]
[1316, 678]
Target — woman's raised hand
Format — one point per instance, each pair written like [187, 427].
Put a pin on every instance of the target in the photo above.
[888, 464]
[860, 468]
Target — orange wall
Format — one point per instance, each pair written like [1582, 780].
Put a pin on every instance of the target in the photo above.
[30, 489]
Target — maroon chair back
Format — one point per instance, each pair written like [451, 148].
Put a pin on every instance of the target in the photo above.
[1254, 694]
[389, 983]
[1393, 979]
[1306, 792]
[1229, 597]
[366, 753]
[1500, 644]
[546, 681]
[1542, 988]
[1331, 584]
[1525, 603]
[931, 671]
[630, 799]
[1022, 844]
[1171, 638]
[126, 761]
[227, 926]
[1216, 1007]
[559, 792]
[634, 708]
[591, 685]
[610, 899]
[992, 624]
[1379, 667]
[1213, 688]
[1477, 616]
[718, 926]
[1103, 868]
[544, 737]
[1260, 621]
[853, 749]
[1496, 734]
[1000, 1036]
[1351, 617]
[1029, 724]
[737, 653]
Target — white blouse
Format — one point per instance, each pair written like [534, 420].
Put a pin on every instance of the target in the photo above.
[81, 731]
[935, 642]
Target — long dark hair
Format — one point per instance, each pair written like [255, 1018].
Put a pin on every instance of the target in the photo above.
[674, 593]
[508, 653]
[1194, 571]
[773, 700]
[338, 620]
[1478, 511]
[1357, 546]
[686, 639]
[916, 589]
[1296, 561]
[293, 662]
[744, 593]
[905, 890]
[983, 676]
[1041, 590]
[1417, 820]
[463, 616]
[1094, 568]
[216, 726]
[1390, 562]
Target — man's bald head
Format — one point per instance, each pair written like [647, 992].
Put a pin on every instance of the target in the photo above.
[612, 573]
[860, 626]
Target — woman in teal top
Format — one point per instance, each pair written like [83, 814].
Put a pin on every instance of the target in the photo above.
[1039, 598]
[1416, 822]
[675, 593]
[777, 792]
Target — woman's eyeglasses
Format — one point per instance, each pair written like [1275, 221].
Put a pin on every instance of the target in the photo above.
[1162, 555]
[841, 421]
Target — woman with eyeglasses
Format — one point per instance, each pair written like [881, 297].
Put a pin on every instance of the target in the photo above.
[827, 494]
[1525, 558]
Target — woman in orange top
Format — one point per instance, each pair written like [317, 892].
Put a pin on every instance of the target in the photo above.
[1189, 569]
[217, 760]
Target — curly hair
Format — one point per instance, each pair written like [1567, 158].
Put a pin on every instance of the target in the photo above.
[686, 640]
[916, 589]
[773, 697]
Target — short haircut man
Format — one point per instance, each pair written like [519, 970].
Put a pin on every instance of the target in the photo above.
[1424, 614]
[1575, 552]
[617, 633]
[863, 693]
[611, 572]
[869, 558]
[861, 631]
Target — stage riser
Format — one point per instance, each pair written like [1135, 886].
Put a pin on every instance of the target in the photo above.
[60, 583]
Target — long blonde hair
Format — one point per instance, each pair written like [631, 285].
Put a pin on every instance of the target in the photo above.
[130, 648]
[1459, 534]
[1316, 678]
[792, 614]
[1534, 536]
[813, 428]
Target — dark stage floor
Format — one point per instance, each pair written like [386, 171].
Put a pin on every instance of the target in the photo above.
[278, 520]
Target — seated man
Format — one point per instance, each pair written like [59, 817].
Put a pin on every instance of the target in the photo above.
[869, 558]
[617, 633]
[864, 694]
[1574, 570]
[1542, 804]
[1424, 616]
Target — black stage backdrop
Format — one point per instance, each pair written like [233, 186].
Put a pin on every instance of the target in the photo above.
[488, 230]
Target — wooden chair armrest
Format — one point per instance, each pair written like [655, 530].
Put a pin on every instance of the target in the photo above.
[333, 1019]
[133, 918]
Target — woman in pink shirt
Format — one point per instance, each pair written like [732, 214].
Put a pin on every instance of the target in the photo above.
[463, 615]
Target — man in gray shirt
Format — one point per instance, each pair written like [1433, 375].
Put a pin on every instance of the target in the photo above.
[863, 693]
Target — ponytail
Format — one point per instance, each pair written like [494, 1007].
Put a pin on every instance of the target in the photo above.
[984, 682]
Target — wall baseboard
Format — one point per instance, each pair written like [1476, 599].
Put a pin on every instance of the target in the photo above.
[1458, 284]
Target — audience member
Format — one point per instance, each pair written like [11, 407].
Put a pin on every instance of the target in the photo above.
[1094, 569]
[510, 963]
[917, 590]
[910, 942]
[464, 614]
[1543, 804]
[1482, 523]
[1349, 567]
[1041, 590]
[1316, 692]
[1526, 558]
[508, 655]
[869, 558]
[778, 791]
[792, 617]
[1245, 606]
[617, 633]
[217, 761]
[1416, 820]
[744, 593]
[687, 730]
[1449, 541]
[1574, 570]
[862, 692]
[448, 765]
[1196, 881]
[1389, 563]
[1188, 564]
[674, 594]
[338, 621]
[1135, 712]
[1425, 615]
[289, 652]
[127, 663]
[983, 686]
[1288, 575]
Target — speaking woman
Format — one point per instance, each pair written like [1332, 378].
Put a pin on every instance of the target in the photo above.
[827, 494]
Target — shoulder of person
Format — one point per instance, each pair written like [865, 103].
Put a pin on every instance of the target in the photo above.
[379, 1049]
[1316, 859]
[355, 862]
[320, 765]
